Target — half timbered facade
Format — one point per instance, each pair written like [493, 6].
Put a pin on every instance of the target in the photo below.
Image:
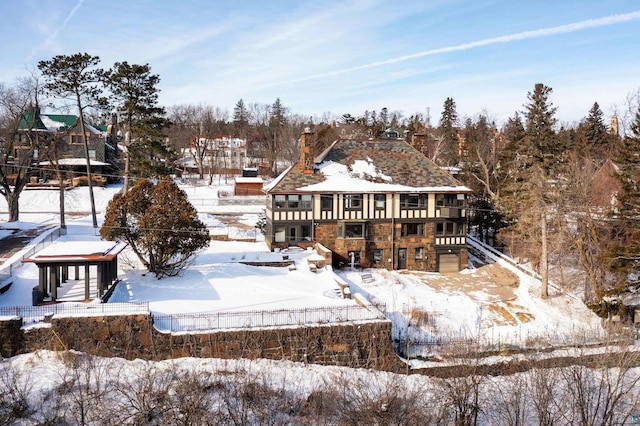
[373, 203]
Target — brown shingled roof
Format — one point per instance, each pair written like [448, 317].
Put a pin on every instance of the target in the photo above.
[393, 158]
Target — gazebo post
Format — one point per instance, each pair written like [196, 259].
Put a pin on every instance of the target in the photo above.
[77, 272]
[42, 279]
[65, 273]
[99, 278]
[86, 280]
[53, 281]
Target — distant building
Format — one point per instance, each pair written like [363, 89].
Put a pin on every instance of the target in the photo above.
[373, 203]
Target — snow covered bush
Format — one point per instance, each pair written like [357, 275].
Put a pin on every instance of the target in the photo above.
[160, 225]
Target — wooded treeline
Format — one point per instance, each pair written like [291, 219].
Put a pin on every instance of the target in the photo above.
[532, 177]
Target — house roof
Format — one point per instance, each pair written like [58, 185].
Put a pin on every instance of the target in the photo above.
[59, 121]
[31, 121]
[377, 165]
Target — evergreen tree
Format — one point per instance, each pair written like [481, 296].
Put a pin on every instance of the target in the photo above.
[78, 78]
[449, 132]
[241, 119]
[531, 158]
[277, 123]
[135, 92]
[160, 225]
[540, 142]
[596, 131]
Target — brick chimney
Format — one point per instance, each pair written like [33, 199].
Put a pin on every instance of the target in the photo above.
[307, 141]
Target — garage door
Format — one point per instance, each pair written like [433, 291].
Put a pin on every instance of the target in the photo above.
[448, 263]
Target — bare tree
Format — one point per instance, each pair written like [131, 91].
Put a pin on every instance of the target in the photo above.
[21, 133]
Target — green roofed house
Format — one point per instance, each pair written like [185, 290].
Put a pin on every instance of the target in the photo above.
[373, 203]
[67, 129]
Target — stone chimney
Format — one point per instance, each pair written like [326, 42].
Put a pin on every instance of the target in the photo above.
[307, 141]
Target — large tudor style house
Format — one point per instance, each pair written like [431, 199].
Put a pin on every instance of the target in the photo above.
[373, 203]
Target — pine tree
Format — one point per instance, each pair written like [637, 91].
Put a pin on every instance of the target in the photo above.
[532, 158]
[596, 131]
[160, 225]
[76, 77]
[449, 132]
[240, 119]
[540, 143]
[134, 90]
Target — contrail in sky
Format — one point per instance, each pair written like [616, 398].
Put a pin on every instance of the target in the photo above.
[64, 24]
[544, 32]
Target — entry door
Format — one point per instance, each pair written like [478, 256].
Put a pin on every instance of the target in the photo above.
[402, 258]
[292, 235]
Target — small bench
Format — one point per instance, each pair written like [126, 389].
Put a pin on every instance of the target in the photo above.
[313, 267]
[367, 278]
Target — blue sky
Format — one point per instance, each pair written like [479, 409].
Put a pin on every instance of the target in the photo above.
[347, 56]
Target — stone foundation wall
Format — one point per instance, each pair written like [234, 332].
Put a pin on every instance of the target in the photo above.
[359, 345]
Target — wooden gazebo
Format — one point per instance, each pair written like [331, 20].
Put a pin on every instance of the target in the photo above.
[55, 260]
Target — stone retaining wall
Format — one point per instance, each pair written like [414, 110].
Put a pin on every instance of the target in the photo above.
[361, 345]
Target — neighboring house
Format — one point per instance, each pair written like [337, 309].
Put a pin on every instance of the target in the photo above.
[71, 128]
[606, 188]
[373, 203]
[222, 153]
[72, 155]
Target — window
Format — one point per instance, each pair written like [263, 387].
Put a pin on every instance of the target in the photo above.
[305, 233]
[377, 255]
[379, 200]
[450, 200]
[279, 235]
[92, 154]
[419, 253]
[450, 228]
[326, 202]
[351, 230]
[353, 201]
[413, 201]
[77, 139]
[306, 202]
[412, 229]
[293, 201]
[280, 201]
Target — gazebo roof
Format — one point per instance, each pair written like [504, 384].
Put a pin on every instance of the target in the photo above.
[78, 251]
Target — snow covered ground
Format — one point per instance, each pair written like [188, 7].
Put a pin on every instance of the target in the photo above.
[425, 308]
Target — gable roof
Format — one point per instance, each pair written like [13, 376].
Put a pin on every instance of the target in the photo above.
[376, 165]
[31, 121]
[59, 121]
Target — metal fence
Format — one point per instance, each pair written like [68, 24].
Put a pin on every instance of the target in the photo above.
[6, 271]
[36, 314]
[205, 321]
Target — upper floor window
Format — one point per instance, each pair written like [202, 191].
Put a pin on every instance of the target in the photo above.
[306, 202]
[326, 202]
[413, 201]
[77, 139]
[450, 200]
[379, 201]
[293, 202]
[280, 201]
[353, 201]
